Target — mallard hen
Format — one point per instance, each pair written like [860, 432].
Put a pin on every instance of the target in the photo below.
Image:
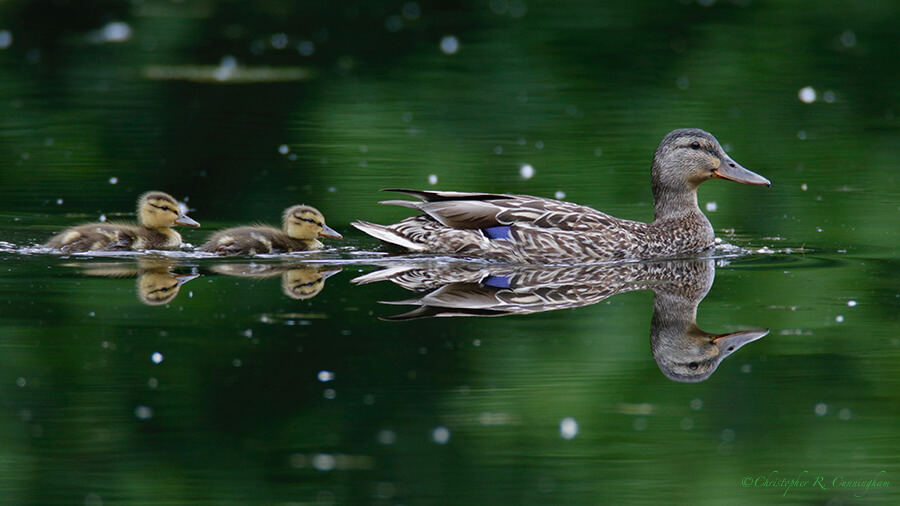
[525, 229]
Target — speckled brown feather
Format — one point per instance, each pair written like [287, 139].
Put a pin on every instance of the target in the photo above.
[548, 231]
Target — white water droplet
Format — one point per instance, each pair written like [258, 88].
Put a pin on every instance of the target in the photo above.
[440, 435]
[526, 171]
[807, 95]
[6, 39]
[568, 428]
[143, 412]
[449, 44]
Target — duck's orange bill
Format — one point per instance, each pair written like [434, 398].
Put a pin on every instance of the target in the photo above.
[731, 170]
[729, 343]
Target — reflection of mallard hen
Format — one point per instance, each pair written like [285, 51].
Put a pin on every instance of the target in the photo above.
[303, 282]
[682, 350]
[525, 229]
[157, 213]
[301, 226]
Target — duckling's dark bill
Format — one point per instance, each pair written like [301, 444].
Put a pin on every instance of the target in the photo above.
[329, 232]
[184, 278]
[186, 221]
[733, 172]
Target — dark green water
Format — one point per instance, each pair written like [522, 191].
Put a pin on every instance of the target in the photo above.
[254, 383]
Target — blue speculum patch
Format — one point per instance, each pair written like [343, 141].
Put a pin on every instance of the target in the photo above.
[496, 281]
[501, 232]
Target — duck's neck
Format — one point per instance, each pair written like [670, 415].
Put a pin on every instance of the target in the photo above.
[678, 222]
[674, 203]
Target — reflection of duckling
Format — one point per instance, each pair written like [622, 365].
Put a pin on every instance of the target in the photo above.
[682, 350]
[305, 283]
[160, 287]
[296, 282]
[157, 213]
[301, 226]
[156, 283]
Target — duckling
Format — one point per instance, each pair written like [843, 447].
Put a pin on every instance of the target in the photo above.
[157, 213]
[301, 226]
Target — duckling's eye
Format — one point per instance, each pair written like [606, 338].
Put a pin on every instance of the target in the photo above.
[695, 145]
[693, 366]
[166, 208]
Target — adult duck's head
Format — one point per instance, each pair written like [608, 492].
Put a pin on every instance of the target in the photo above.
[161, 210]
[686, 158]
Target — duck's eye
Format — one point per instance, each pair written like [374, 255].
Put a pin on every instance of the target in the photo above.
[695, 145]
[166, 208]
[693, 366]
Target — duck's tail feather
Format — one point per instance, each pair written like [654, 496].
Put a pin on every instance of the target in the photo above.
[385, 274]
[440, 196]
[388, 235]
[440, 312]
[412, 204]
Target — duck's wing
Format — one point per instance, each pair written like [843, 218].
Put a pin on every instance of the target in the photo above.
[464, 211]
[479, 211]
[496, 290]
[439, 196]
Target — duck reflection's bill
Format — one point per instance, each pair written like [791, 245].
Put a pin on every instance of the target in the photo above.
[682, 350]
[157, 284]
[300, 283]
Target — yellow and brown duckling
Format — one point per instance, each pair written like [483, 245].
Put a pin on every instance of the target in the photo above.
[301, 226]
[157, 213]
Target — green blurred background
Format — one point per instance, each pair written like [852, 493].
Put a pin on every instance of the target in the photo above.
[245, 108]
